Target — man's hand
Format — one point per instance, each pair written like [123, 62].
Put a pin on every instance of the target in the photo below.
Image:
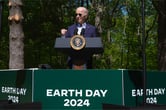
[63, 32]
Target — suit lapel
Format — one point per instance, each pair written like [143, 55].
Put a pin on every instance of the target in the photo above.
[86, 30]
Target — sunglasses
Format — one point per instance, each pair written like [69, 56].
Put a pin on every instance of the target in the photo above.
[78, 14]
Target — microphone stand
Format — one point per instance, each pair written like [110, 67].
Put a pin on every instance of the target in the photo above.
[144, 52]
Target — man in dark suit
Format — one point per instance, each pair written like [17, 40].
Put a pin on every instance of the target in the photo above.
[80, 27]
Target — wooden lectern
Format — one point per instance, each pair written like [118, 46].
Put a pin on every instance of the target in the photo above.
[79, 48]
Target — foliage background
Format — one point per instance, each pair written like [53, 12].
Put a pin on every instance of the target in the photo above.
[121, 33]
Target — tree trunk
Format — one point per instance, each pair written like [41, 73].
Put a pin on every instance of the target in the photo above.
[99, 11]
[16, 35]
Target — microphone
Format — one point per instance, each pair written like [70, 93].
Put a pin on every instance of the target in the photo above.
[82, 31]
[75, 31]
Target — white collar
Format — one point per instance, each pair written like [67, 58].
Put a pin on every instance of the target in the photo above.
[83, 25]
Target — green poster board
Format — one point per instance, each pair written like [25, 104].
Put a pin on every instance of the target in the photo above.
[155, 87]
[16, 85]
[71, 89]
[81, 89]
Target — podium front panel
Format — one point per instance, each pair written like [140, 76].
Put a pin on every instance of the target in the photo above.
[93, 46]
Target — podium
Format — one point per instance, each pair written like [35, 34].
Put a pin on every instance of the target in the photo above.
[92, 46]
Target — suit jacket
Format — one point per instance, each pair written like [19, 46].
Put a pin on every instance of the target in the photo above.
[90, 31]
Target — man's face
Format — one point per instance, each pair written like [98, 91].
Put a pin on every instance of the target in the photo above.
[80, 16]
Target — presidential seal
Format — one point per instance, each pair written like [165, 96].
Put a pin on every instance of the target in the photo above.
[77, 42]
